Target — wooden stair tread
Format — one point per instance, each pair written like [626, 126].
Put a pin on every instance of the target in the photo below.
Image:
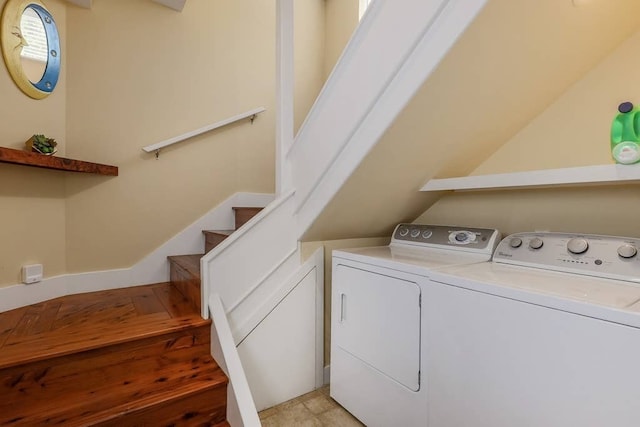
[222, 232]
[87, 321]
[100, 403]
[247, 208]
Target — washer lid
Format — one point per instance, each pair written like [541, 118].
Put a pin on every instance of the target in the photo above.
[606, 299]
[598, 291]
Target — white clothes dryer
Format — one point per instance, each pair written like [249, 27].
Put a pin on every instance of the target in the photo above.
[378, 324]
[547, 335]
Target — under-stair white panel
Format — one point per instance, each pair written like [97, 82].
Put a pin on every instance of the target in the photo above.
[279, 356]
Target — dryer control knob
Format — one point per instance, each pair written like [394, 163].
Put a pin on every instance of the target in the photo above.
[627, 251]
[403, 231]
[536, 243]
[461, 237]
[515, 242]
[415, 233]
[577, 245]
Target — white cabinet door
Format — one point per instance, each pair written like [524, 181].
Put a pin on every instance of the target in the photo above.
[376, 318]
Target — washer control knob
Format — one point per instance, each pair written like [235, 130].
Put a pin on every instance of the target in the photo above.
[627, 251]
[461, 237]
[415, 232]
[515, 242]
[426, 234]
[536, 243]
[577, 245]
[403, 231]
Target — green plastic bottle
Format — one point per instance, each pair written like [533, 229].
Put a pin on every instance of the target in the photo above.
[625, 135]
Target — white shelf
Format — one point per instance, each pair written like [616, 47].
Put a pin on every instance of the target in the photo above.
[587, 175]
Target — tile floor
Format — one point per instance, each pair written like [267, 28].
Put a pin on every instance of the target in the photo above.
[311, 409]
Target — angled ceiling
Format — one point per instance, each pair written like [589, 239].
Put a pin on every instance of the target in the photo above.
[514, 60]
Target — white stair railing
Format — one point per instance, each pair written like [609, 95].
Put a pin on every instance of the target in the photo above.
[155, 148]
[241, 409]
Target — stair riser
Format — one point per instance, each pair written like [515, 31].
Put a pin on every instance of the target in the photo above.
[186, 283]
[242, 215]
[212, 240]
[129, 367]
[205, 408]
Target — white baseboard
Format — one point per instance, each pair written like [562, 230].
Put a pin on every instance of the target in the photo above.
[154, 268]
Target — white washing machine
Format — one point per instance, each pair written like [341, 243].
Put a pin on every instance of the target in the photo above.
[547, 335]
[378, 322]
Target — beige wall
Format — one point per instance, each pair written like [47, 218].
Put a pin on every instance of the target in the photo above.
[140, 73]
[308, 248]
[573, 131]
[322, 30]
[342, 18]
[32, 201]
[309, 40]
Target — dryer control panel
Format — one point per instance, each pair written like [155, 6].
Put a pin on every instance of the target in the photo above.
[467, 239]
[588, 254]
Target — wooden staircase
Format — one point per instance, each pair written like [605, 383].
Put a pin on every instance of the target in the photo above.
[137, 356]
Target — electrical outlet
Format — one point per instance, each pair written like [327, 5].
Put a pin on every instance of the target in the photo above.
[31, 273]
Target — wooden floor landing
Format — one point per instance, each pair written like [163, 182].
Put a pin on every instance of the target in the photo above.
[65, 325]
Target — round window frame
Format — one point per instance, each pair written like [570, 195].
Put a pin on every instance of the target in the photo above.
[11, 41]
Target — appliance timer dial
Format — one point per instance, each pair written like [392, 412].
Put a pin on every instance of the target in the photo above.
[627, 251]
[515, 242]
[577, 245]
[536, 243]
[461, 237]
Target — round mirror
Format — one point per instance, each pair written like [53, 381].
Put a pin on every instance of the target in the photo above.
[30, 46]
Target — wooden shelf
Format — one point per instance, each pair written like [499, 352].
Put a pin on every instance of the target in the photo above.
[587, 175]
[25, 158]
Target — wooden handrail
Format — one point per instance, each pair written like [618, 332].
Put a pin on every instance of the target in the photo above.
[251, 114]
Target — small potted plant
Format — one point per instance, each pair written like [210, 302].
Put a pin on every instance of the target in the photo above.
[41, 144]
